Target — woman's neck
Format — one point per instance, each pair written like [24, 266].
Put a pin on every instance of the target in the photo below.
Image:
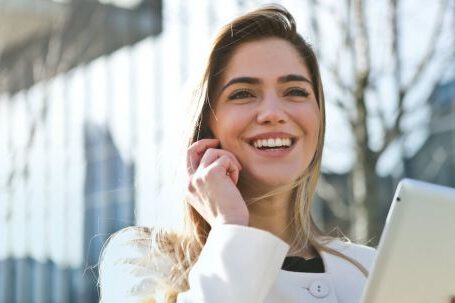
[276, 215]
[273, 214]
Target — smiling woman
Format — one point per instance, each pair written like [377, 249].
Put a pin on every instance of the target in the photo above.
[253, 162]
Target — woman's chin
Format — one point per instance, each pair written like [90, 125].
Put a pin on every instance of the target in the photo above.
[266, 182]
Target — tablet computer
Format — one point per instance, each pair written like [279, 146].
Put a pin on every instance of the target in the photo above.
[415, 261]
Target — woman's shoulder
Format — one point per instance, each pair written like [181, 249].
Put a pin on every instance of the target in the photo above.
[134, 263]
[346, 245]
[359, 252]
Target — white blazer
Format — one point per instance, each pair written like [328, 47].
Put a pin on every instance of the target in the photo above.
[241, 264]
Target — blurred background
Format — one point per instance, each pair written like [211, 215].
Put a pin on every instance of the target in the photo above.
[91, 111]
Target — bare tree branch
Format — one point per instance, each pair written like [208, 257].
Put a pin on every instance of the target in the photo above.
[361, 45]
[366, 84]
[315, 24]
[394, 132]
[334, 69]
[431, 50]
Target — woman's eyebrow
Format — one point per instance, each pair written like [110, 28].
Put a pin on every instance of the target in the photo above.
[293, 77]
[247, 80]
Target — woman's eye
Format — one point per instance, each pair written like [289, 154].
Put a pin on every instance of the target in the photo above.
[242, 94]
[297, 92]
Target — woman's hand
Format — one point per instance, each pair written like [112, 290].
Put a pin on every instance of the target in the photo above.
[213, 175]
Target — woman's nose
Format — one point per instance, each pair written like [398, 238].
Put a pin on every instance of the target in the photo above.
[271, 111]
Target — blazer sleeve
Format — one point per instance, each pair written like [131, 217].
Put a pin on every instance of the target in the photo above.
[237, 264]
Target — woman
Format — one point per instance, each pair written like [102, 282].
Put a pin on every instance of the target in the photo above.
[253, 163]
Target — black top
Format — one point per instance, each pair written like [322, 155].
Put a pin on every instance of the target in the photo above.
[299, 264]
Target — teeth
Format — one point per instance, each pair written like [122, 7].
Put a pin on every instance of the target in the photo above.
[272, 142]
[278, 142]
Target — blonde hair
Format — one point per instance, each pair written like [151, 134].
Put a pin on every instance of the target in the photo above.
[183, 249]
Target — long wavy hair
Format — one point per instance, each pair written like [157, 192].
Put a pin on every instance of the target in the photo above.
[183, 249]
[268, 22]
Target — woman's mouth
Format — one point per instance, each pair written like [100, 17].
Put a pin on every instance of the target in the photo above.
[272, 143]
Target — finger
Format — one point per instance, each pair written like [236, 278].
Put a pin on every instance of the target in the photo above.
[213, 154]
[232, 171]
[225, 166]
[234, 175]
[196, 151]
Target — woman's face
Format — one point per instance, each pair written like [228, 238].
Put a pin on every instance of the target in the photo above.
[266, 112]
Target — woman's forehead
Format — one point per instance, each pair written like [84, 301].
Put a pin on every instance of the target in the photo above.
[270, 58]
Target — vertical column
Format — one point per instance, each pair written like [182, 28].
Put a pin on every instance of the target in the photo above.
[133, 126]
[7, 273]
[169, 52]
[56, 220]
[39, 215]
[20, 206]
[76, 174]
[145, 156]
[120, 161]
[46, 167]
[96, 152]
